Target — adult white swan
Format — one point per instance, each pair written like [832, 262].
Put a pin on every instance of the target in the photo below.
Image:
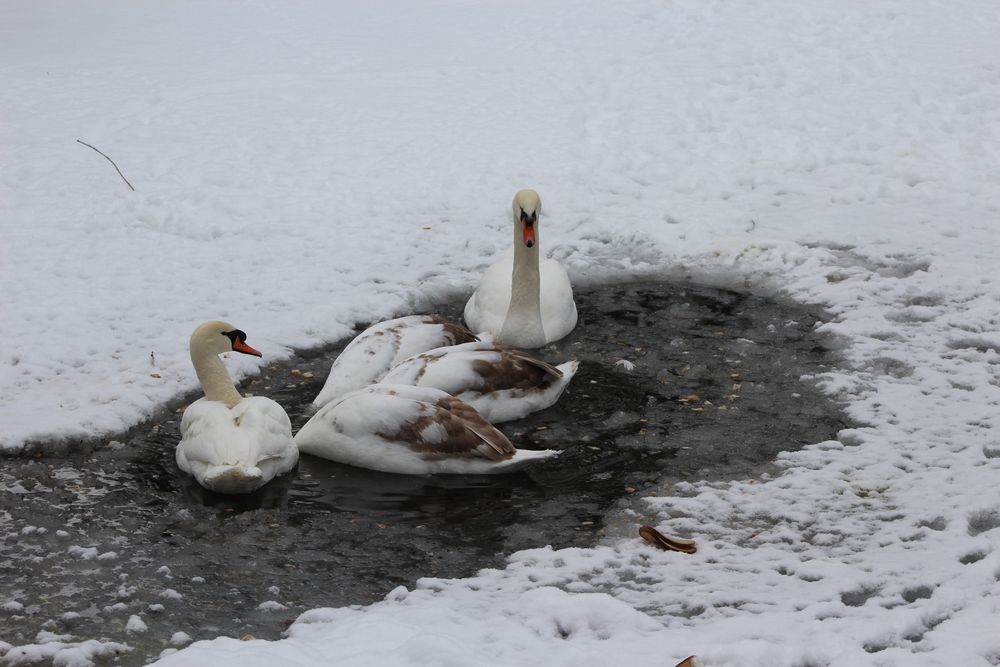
[523, 300]
[231, 444]
[410, 430]
[371, 354]
[501, 383]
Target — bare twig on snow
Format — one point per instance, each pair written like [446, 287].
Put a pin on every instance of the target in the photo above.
[111, 161]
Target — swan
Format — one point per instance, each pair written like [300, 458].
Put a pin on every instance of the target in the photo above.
[381, 346]
[501, 383]
[410, 430]
[231, 444]
[523, 300]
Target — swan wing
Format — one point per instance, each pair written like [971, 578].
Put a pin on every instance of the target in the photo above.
[254, 432]
[381, 346]
[208, 437]
[474, 367]
[423, 421]
[267, 424]
[557, 305]
[487, 307]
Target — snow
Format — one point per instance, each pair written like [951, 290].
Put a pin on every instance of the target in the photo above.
[135, 624]
[86, 553]
[299, 169]
[61, 653]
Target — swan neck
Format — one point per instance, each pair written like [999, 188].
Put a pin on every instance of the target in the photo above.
[522, 325]
[214, 378]
[524, 290]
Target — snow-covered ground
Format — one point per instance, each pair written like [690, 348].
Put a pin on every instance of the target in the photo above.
[302, 167]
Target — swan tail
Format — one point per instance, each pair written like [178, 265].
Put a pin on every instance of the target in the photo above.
[569, 369]
[524, 457]
[233, 479]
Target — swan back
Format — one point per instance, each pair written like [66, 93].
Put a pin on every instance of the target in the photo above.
[380, 347]
[500, 382]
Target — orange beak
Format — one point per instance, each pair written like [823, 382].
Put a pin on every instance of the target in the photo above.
[529, 236]
[240, 346]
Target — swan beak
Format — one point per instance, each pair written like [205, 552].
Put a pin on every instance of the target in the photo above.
[240, 346]
[529, 235]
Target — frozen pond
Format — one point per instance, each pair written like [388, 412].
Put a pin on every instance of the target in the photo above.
[92, 539]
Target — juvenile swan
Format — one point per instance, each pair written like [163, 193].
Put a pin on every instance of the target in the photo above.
[412, 431]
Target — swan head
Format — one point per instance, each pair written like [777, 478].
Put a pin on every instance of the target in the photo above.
[527, 208]
[218, 337]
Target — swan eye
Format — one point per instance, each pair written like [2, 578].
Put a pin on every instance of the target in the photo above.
[527, 220]
[235, 336]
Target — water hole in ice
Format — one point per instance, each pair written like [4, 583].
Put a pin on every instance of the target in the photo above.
[676, 381]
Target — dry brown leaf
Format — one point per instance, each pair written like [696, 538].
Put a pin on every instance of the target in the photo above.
[666, 542]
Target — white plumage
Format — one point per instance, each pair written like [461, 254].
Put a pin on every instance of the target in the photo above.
[231, 444]
[523, 300]
[238, 449]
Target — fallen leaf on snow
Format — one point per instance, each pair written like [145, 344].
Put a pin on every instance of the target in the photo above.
[666, 542]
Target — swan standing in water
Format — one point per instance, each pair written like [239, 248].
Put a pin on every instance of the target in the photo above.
[374, 351]
[410, 430]
[501, 383]
[524, 301]
[231, 444]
